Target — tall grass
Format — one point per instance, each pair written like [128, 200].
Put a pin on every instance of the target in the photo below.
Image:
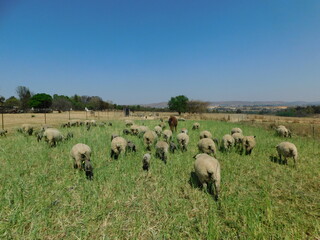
[43, 197]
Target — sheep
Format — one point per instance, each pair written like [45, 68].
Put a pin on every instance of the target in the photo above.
[142, 130]
[158, 130]
[196, 126]
[118, 145]
[184, 130]
[73, 123]
[173, 123]
[162, 125]
[101, 124]
[149, 138]
[205, 134]
[128, 123]
[93, 123]
[126, 131]
[110, 124]
[282, 131]
[172, 147]
[162, 150]
[52, 136]
[287, 149]
[134, 129]
[131, 146]
[114, 136]
[207, 169]
[236, 130]
[207, 145]
[248, 143]
[183, 140]
[44, 127]
[167, 135]
[227, 142]
[146, 161]
[27, 128]
[3, 133]
[237, 138]
[81, 154]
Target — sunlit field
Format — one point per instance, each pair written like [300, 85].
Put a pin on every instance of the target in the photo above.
[43, 197]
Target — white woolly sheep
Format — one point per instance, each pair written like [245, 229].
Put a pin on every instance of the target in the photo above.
[28, 129]
[149, 138]
[3, 132]
[52, 136]
[248, 143]
[158, 130]
[146, 161]
[118, 145]
[207, 145]
[227, 142]
[237, 139]
[184, 130]
[205, 134]
[134, 129]
[196, 126]
[162, 150]
[287, 149]
[236, 130]
[282, 131]
[81, 154]
[162, 125]
[142, 130]
[167, 134]
[207, 169]
[128, 123]
[183, 140]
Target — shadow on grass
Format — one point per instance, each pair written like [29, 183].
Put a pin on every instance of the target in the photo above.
[277, 160]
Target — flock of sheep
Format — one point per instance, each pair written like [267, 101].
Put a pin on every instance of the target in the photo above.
[207, 167]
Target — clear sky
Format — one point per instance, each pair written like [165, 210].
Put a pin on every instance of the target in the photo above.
[146, 51]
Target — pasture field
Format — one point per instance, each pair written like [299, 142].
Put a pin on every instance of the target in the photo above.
[43, 197]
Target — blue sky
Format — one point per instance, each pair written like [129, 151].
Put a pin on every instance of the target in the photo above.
[142, 51]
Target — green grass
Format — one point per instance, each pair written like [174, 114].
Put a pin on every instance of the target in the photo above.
[43, 197]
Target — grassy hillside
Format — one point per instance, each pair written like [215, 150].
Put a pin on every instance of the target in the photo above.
[43, 197]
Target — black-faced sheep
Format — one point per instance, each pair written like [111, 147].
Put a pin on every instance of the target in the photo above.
[3, 132]
[227, 142]
[207, 145]
[282, 131]
[158, 130]
[287, 149]
[167, 135]
[128, 123]
[205, 134]
[52, 136]
[236, 130]
[81, 154]
[28, 129]
[172, 147]
[248, 143]
[146, 161]
[184, 130]
[131, 147]
[118, 145]
[183, 140]
[196, 126]
[162, 150]
[149, 138]
[207, 169]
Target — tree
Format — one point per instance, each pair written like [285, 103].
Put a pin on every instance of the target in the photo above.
[61, 102]
[2, 99]
[24, 96]
[196, 106]
[12, 102]
[178, 103]
[41, 100]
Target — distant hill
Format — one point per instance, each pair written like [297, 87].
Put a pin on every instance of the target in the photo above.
[242, 103]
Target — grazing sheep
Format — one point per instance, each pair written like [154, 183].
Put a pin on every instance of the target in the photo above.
[236, 130]
[110, 124]
[207, 145]
[101, 124]
[93, 123]
[162, 150]
[158, 130]
[207, 169]
[52, 136]
[205, 134]
[167, 135]
[172, 147]
[162, 125]
[3, 133]
[128, 123]
[227, 142]
[183, 140]
[173, 123]
[146, 161]
[237, 139]
[45, 126]
[126, 131]
[69, 135]
[196, 126]
[282, 131]
[131, 147]
[81, 154]
[134, 129]
[64, 125]
[248, 143]
[28, 129]
[149, 138]
[73, 123]
[287, 149]
[118, 145]
[114, 136]
[142, 130]
[184, 130]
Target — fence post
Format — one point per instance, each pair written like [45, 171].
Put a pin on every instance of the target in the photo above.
[2, 120]
[69, 114]
[45, 118]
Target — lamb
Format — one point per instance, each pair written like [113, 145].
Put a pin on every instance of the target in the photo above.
[118, 145]
[236, 130]
[227, 142]
[81, 154]
[3, 132]
[173, 122]
[149, 138]
[183, 140]
[287, 149]
[248, 143]
[207, 169]
[167, 135]
[207, 145]
[27, 128]
[205, 134]
[158, 130]
[196, 126]
[162, 150]
[146, 161]
[282, 131]
[52, 136]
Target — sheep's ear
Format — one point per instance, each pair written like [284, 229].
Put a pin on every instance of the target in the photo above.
[195, 156]
[254, 136]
